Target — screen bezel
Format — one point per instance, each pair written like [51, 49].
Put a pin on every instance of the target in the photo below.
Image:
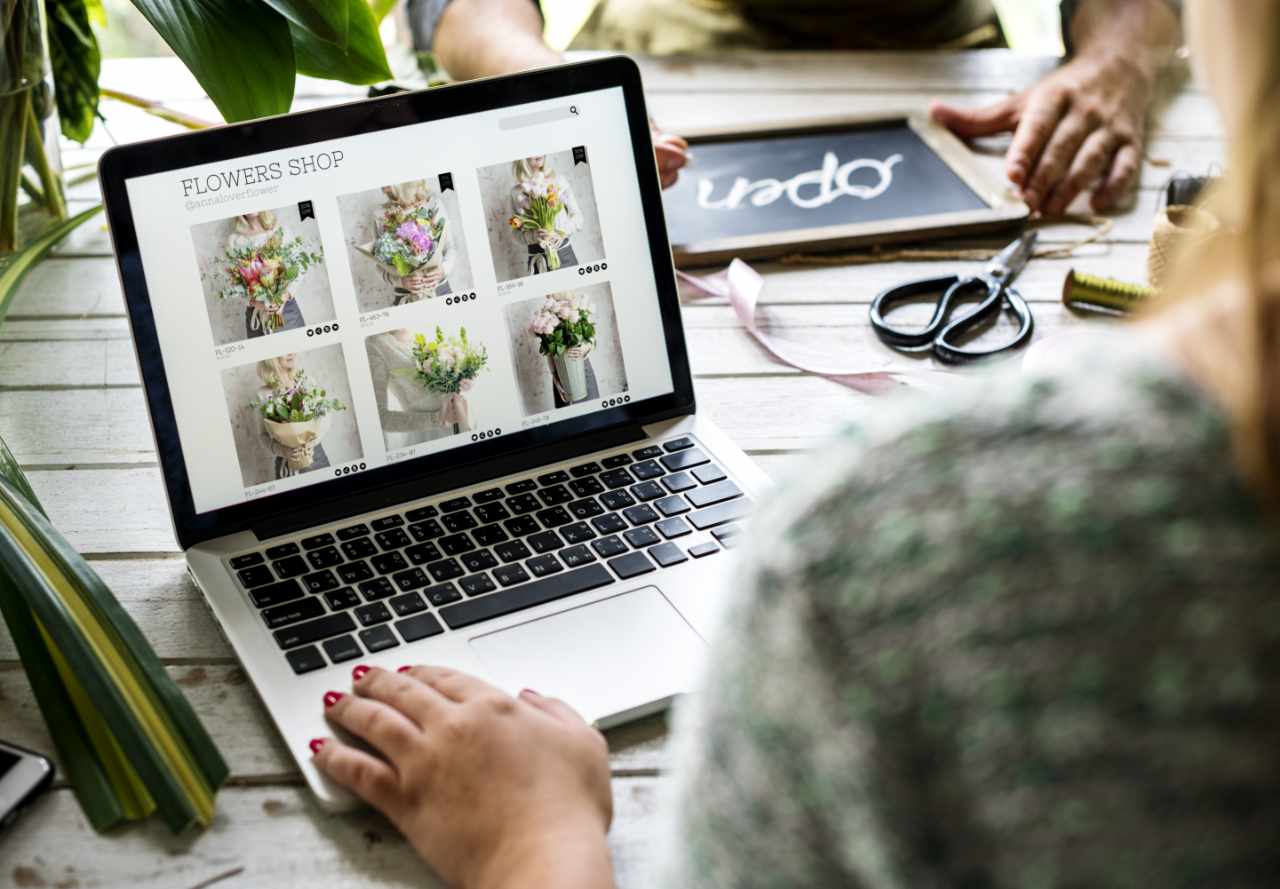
[352, 119]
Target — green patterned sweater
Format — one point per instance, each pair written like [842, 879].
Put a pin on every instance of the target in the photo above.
[1028, 638]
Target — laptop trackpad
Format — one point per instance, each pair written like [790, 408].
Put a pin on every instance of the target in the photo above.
[605, 658]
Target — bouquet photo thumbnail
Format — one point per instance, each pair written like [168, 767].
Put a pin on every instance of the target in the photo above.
[447, 367]
[539, 205]
[296, 417]
[566, 331]
[264, 275]
[411, 238]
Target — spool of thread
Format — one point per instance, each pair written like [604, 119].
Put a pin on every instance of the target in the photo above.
[1178, 227]
[1094, 293]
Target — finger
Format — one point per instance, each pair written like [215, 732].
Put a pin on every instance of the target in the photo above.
[1124, 172]
[385, 728]
[452, 684]
[421, 703]
[670, 160]
[673, 140]
[553, 707]
[971, 123]
[1039, 119]
[1056, 159]
[1091, 163]
[368, 777]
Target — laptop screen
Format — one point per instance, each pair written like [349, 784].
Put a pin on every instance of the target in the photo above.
[396, 295]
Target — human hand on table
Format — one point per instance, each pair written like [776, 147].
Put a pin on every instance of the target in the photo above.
[491, 790]
[1081, 128]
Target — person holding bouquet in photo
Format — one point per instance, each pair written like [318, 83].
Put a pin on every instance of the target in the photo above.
[413, 245]
[410, 413]
[263, 269]
[293, 416]
[566, 331]
[544, 214]
[446, 368]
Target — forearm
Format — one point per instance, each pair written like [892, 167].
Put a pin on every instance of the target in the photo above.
[478, 38]
[1144, 32]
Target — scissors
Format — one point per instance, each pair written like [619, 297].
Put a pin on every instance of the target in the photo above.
[941, 333]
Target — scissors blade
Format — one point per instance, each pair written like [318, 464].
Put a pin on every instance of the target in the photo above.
[1010, 261]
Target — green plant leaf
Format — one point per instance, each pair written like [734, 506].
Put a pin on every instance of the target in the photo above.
[14, 266]
[76, 61]
[329, 20]
[381, 8]
[362, 61]
[239, 50]
[10, 470]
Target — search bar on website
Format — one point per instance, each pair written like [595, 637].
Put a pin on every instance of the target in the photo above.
[551, 115]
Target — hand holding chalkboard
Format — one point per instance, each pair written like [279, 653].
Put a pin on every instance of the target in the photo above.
[829, 185]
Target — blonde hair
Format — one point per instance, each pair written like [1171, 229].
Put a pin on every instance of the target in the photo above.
[415, 191]
[249, 223]
[1238, 355]
[272, 373]
[521, 170]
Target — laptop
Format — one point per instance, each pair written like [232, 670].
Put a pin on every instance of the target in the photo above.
[420, 394]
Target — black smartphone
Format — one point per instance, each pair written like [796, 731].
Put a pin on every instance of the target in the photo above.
[23, 775]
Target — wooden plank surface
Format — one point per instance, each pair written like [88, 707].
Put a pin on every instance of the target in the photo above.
[71, 408]
[267, 837]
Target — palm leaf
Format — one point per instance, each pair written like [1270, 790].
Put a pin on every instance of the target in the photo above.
[14, 266]
[239, 50]
[109, 677]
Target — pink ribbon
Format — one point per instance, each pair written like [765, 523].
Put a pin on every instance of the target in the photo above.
[455, 411]
[741, 285]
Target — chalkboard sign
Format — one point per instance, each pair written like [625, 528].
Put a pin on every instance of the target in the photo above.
[829, 185]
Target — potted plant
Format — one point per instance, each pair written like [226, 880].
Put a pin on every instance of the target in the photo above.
[566, 333]
[227, 52]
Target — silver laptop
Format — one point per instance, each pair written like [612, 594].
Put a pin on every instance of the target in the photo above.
[420, 393]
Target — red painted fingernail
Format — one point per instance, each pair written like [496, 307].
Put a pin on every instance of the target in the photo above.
[332, 697]
[405, 669]
[359, 671]
[316, 744]
[529, 691]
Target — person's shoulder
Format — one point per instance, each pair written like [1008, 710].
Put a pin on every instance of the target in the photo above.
[1014, 462]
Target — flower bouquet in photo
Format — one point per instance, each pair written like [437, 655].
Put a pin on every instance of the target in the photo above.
[539, 205]
[566, 332]
[263, 276]
[297, 417]
[410, 246]
[447, 368]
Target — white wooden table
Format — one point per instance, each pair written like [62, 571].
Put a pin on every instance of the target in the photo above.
[72, 410]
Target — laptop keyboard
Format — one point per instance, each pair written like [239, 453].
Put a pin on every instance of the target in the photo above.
[330, 597]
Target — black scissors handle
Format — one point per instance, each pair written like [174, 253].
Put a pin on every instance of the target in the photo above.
[998, 299]
[886, 300]
[941, 331]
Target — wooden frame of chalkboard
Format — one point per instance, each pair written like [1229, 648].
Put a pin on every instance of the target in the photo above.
[1001, 208]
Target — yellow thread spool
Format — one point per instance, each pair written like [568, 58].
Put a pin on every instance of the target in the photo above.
[1095, 293]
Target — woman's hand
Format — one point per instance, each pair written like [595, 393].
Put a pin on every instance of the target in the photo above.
[421, 282]
[550, 240]
[672, 153]
[268, 307]
[492, 791]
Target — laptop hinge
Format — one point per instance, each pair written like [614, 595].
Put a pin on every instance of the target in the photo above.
[293, 521]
